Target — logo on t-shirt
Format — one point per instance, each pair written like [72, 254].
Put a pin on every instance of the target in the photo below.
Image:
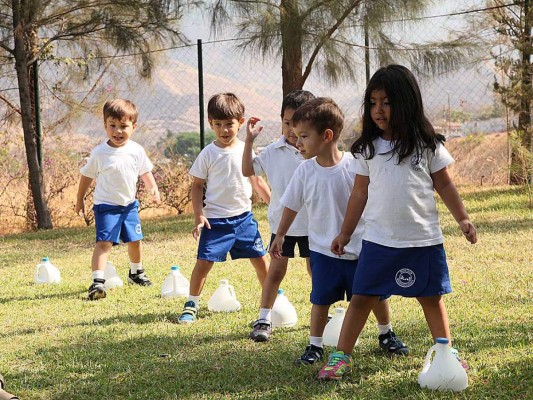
[258, 245]
[418, 163]
[405, 278]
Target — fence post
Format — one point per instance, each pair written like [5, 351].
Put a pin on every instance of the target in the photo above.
[37, 112]
[201, 93]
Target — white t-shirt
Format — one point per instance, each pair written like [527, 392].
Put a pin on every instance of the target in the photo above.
[325, 192]
[116, 170]
[401, 210]
[277, 162]
[228, 192]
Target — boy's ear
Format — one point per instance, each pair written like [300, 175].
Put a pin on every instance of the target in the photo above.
[328, 135]
[210, 123]
[135, 126]
[241, 122]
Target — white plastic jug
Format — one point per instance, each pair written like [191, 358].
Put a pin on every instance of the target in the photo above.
[224, 298]
[445, 372]
[175, 284]
[332, 330]
[112, 280]
[46, 272]
[283, 312]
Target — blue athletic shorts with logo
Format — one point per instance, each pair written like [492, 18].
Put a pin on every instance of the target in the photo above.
[117, 223]
[239, 236]
[408, 272]
[332, 278]
[289, 245]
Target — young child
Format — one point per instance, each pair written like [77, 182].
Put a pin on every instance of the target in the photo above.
[323, 185]
[226, 222]
[277, 162]
[116, 165]
[400, 162]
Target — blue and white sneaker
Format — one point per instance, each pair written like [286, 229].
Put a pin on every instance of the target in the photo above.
[188, 315]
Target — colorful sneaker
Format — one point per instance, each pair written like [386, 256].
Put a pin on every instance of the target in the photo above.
[96, 290]
[262, 331]
[464, 364]
[388, 341]
[188, 315]
[139, 278]
[339, 364]
[311, 355]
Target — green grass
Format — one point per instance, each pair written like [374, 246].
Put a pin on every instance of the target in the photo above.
[55, 345]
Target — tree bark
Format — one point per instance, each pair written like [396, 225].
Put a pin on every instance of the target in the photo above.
[291, 38]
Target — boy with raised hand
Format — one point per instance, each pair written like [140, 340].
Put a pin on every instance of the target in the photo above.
[323, 184]
[277, 162]
[116, 165]
[226, 223]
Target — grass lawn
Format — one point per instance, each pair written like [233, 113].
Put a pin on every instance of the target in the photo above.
[56, 345]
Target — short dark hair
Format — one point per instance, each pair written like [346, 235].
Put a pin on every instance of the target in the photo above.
[120, 108]
[225, 106]
[295, 99]
[323, 113]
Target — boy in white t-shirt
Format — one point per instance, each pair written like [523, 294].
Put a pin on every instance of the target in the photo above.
[116, 165]
[225, 224]
[323, 184]
[277, 162]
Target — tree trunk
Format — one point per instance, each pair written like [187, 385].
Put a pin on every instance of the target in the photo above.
[35, 172]
[291, 39]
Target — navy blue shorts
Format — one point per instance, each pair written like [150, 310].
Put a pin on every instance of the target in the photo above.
[115, 223]
[237, 235]
[408, 272]
[332, 278]
[289, 244]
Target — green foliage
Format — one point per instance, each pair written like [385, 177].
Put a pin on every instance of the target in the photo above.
[184, 144]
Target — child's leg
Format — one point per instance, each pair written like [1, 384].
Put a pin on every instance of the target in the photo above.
[136, 274]
[276, 273]
[436, 316]
[199, 276]
[261, 268]
[97, 289]
[355, 320]
[319, 319]
[387, 338]
[135, 251]
[315, 350]
[308, 265]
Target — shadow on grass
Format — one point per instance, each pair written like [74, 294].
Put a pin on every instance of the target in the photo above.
[48, 296]
[500, 226]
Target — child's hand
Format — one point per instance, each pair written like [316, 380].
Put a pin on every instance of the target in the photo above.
[468, 230]
[200, 223]
[252, 129]
[156, 196]
[337, 246]
[80, 206]
[276, 247]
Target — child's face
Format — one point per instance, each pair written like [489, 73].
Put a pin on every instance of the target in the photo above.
[118, 131]
[310, 142]
[380, 112]
[226, 130]
[286, 126]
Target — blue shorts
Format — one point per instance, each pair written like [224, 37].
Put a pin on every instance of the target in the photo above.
[408, 272]
[237, 235]
[116, 223]
[332, 278]
[289, 245]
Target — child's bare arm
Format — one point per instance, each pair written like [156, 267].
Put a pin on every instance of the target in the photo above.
[197, 198]
[83, 186]
[151, 186]
[287, 218]
[450, 196]
[261, 187]
[252, 131]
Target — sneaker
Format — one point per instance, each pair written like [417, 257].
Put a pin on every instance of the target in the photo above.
[139, 278]
[188, 315]
[311, 355]
[339, 364]
[262, 331]
[388, 341]
[97, 290]
[464, 364]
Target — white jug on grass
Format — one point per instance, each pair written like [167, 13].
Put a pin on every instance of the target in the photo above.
[46, 272]
[283, 312]
[332, 330]
[112, 280]
[175, 284]
[224, 298]
[445, 372]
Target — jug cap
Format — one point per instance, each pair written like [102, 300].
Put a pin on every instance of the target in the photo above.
[224, 282]
[175, 268]
[442, 340]
[45, 259]
[281, 291]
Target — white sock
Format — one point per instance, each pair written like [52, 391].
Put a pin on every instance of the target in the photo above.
[384, 328]
[317, 341]
[265, 313]
[195, 299]
[98, 274]
[134, 267]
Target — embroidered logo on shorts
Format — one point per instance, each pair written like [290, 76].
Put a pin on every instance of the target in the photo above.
[258, 245]
[138, 230]
[417, 163]
[405, 278]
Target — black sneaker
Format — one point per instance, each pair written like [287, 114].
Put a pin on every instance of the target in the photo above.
[388, 341]
[311, 355]
[97, 290]
[139, 278]
[262, 331]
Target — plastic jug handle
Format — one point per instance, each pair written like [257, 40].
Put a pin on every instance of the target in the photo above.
[427, 361]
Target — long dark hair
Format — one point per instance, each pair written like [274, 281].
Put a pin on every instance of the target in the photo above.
[411, 129]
